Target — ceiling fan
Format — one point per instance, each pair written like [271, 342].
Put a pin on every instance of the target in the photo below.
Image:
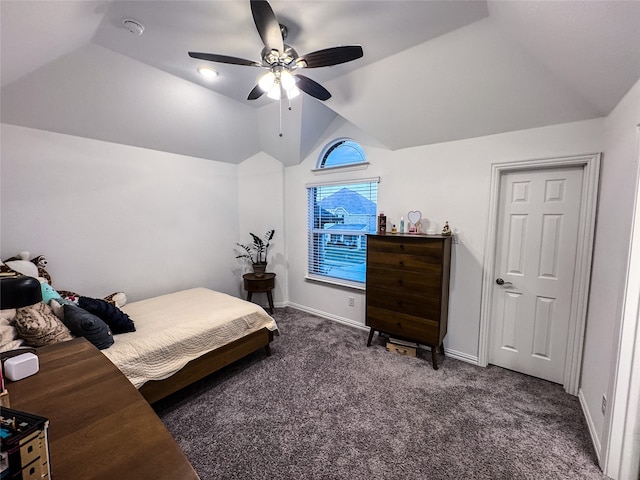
[282, 60]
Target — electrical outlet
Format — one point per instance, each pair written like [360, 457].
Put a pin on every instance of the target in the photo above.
[604, 404]
[352, 301]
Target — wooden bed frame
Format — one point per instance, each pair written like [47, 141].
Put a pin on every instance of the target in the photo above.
[154, 390]
[213, 361]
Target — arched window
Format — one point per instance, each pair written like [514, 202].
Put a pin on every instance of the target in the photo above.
[341, 152]
[340, 215]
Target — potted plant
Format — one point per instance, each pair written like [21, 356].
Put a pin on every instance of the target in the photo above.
[256, 253]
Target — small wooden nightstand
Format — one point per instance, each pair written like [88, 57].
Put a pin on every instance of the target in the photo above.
[263, 283]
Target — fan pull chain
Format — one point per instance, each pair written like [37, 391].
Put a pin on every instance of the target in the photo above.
[280, 111]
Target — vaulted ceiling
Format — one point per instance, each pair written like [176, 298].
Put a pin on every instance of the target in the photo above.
[432, 71]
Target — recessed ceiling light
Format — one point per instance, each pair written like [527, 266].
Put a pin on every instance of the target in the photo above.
[133, 26]
[208, 73]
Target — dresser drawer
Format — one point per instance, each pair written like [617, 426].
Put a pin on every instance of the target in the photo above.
[419, 246]
[30, 448]
[402, 281]
[411, 304]
[403, 325]
[35, 471]
[401, 261]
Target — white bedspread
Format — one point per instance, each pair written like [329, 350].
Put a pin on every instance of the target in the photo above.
[173, 329]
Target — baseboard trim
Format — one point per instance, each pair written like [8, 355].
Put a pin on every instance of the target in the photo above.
[329, 316]
[592, 428]
[463, 357]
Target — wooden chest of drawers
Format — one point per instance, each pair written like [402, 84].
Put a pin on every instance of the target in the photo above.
[408, 287]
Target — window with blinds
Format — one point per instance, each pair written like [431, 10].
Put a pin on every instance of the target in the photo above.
[340, 215]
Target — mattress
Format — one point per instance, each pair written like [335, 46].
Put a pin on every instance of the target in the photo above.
[173, 329]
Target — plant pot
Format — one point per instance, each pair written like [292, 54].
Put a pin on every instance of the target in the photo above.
[259, 268]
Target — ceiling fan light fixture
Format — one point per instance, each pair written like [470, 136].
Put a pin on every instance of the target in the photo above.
[293, 92]
[286, 80]
[274, 93]
[279, 59]
[271, 57]
[266, 81]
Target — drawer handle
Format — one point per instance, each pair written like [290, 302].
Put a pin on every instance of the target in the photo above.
[401, 263]
[399, 282]
[401, 246]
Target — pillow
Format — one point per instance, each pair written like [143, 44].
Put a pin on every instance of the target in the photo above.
[84, 324]
[118, 321]
[38, 326]
[8, 314]
[48, 293]
[9, 338]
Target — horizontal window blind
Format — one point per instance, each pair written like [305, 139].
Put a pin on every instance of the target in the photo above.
[339, 217]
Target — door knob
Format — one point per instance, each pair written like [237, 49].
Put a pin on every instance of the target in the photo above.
[501, 282]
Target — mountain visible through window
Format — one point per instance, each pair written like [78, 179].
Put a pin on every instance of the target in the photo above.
[340, 216]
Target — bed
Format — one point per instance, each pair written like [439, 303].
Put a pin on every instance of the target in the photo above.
[179, 337]
[184, 336]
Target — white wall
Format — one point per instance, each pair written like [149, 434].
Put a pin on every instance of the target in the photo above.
[447, 181]
[610, 260]
[115, 218]
[261, 208]
[112, 217]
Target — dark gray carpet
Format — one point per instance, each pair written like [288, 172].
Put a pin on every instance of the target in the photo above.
[324, 406]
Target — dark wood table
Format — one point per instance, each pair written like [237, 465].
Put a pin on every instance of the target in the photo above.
[262, 283]
[100, 427]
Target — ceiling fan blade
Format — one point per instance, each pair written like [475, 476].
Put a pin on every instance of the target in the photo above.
[267, 25]
[213, 57]
[312, 87]
[331, 56]
[255, 93]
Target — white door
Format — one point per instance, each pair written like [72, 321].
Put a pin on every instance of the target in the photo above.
[534, 263]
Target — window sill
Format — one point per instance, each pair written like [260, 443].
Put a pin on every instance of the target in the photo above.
[336, 282]
[345, 168]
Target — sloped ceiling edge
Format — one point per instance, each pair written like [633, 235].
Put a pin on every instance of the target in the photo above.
[468, 83]
[95, 93]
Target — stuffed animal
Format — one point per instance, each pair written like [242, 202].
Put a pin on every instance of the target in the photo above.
[7, 271]
[119, 299]
[24, 255]
[40, 261]
[21, 265]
